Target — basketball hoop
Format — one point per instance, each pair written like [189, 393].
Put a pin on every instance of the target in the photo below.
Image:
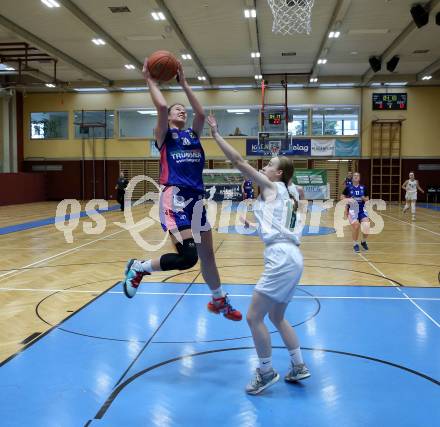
[291, 16]
[275, 147]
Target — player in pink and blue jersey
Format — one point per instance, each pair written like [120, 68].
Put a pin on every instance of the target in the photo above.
[181, 207]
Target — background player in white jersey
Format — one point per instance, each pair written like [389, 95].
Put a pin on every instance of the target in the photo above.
[275, 213]
[411, 186]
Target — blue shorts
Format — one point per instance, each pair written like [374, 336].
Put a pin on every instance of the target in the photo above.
[248, 195]
[181, 209]
[354, 215]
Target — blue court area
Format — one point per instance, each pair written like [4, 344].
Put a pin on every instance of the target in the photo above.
[162, 360]
[52, 220]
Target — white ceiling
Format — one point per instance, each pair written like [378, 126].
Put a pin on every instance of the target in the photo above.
[222, 38]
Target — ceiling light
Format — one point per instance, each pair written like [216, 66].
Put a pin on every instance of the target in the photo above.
[258, 76]
[203, 78]
[334, 34]
[376, 84]
[98, 42]
[322, 61]
[148, 112]
[396, 84]
[250, 13]
[50, 3]
[239, 110]
[129, 66]
[158, 16]
[134, 89]
[90, 89]
[313, 80]
[426, 77]
[255, 54]
[50, 85]
[186, 56]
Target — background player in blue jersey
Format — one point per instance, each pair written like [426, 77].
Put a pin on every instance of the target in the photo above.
[358, 217]
[247, 189]
[181, 166]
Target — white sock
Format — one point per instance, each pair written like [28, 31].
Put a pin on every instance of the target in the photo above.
[355, 242]
[265, 364]
[296, 356]
[218, 293]
[146, 266]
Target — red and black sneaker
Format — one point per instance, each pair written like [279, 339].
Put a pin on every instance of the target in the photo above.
[222, 305]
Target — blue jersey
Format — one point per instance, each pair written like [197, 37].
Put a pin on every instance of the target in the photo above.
[356, 193]
[182, 160]
[247, 186]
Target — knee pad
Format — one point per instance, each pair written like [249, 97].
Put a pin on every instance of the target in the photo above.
[186, 258]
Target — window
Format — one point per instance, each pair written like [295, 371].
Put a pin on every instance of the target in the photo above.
[337, 120]
[103, 120]
[235, 121]
[53, 125]
[298, 121]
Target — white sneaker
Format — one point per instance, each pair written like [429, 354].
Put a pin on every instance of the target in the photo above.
[297, 373]
[261, 381]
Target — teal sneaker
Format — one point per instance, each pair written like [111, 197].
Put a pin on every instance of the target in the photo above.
[133, 277]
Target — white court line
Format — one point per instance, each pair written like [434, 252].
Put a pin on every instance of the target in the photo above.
[403, 293]
[59, 255]
[412, 224]
[75, 291]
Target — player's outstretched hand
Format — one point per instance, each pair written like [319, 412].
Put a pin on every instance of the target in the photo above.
[181, 75]
[212, 122]
[146, 71]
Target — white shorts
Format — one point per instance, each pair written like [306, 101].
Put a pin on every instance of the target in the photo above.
[411, 196]
[283, 267]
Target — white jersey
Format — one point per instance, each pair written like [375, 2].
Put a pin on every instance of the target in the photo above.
[411, 190]
[277, 219]
[411, 186]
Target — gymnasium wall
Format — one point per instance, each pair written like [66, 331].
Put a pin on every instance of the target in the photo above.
[18, 188]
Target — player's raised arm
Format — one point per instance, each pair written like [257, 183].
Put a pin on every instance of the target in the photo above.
[160, 104]
[238, 162]
[199, 112]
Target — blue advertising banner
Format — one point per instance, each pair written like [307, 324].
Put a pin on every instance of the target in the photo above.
[300, 147]
[348, 148]
[296, 147]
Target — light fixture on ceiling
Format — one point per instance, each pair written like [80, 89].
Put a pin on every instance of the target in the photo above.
[98, 42]
[258, 77]
[158, 16]
[186, 56]
[313, 80]
[375, 63]
[90, 89]
[6, 67]
[426, 77]
[392, 63]
[134, 89]
[255, 54]
[129, 66]
[148, 112]
[50, 85]
[250, 13]
[396, 84]
[334, 34]
[322, 61]
[50, 3]
[201, 78]
[420, 15]
[239, 110]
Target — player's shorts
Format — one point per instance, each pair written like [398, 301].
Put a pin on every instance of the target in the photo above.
[411, 196]
[354, 215]
[283, 267]
[248, 195]
[182, 209]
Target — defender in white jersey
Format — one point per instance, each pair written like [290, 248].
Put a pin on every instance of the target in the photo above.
[275, 212]
[411, 186]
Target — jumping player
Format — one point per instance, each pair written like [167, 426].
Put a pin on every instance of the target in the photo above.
[181, 165]
[275, 213]
[358, 217]
[411, 186]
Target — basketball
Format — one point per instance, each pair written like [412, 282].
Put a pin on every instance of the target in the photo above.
[162, 65]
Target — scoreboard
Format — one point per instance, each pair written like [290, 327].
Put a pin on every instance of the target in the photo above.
[390, 101]
[275, 118]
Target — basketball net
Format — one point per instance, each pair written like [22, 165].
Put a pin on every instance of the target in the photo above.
[291, 16]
